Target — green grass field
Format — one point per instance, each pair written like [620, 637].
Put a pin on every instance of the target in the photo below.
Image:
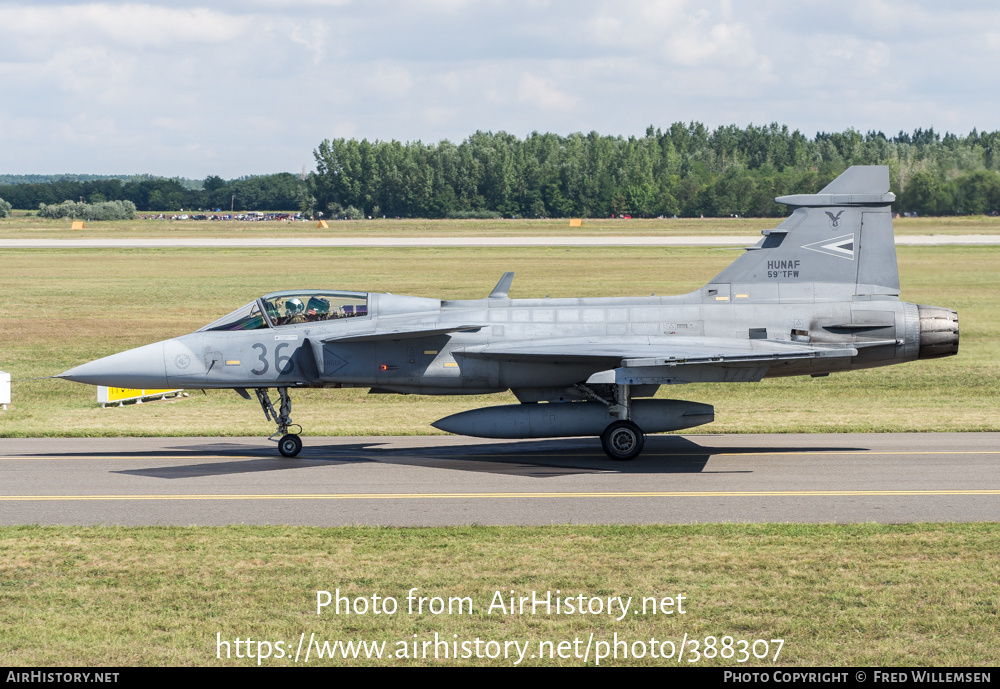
[867, 595]
[22, 226]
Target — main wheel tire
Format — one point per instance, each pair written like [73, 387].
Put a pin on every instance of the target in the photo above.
[622, 441]
[290, 445]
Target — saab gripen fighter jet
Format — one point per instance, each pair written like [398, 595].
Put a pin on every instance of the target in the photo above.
[819, 294]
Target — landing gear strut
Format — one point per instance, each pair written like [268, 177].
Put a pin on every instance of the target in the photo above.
[623, 439]
[289, 444]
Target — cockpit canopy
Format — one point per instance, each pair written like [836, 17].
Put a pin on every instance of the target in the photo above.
[292, 308]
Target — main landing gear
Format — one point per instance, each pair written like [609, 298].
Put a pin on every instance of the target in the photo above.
[622, 440]
[289, 444]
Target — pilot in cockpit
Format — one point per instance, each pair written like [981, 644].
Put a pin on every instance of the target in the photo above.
[294, 311]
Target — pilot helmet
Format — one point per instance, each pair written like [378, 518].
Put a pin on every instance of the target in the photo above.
[318, 305]
[293, 306]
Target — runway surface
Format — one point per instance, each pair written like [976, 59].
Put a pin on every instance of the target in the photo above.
[454, 481]
[307, 242]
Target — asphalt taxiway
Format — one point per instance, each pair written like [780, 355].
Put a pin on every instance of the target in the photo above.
[447, 480]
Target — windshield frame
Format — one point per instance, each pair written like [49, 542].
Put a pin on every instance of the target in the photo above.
[237, 316]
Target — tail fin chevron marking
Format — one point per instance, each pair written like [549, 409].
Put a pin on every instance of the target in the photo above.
[841, 247]
[837, 244]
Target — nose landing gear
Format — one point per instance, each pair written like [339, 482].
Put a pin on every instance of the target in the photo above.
[289, 444]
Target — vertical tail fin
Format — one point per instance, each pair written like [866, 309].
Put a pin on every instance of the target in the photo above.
[836, 245]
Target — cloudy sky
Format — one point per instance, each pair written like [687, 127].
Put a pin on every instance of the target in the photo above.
[195, 88]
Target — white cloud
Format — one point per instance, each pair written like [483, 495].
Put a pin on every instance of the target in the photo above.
[163, 88]
[133, 25]
[542, 93]
[696, 45]
[438, 117]
[314, 36]
[389, 80]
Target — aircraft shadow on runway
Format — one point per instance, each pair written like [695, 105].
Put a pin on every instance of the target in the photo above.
[667, 454]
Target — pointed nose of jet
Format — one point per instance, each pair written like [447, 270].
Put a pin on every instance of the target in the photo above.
[141, 368]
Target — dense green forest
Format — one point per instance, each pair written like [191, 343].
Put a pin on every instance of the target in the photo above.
[43, 179]
[281, 191]
[685, 170]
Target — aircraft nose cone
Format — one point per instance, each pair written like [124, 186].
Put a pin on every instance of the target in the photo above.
[140, 368]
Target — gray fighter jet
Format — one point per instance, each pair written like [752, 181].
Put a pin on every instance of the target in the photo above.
[819, 294]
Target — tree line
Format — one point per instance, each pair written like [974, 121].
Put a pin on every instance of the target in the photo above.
[42, 179]
[684, 170]
[105, 210]
[281, 191]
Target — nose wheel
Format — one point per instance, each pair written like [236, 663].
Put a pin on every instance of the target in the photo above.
[289, 444]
